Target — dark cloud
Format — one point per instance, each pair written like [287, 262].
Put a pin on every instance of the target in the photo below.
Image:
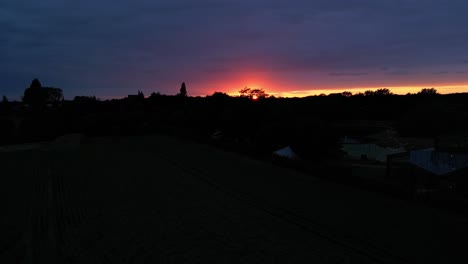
[441, 73]
[150, 43]
[349, 73]
[400, 72]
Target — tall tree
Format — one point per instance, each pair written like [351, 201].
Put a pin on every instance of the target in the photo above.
[33, 95]
[35, 84]
[4, 99]
[183, 90]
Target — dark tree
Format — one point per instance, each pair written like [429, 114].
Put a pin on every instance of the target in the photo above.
[52, 95]
[4, 106]
[33, 95]
[258, 93]
[245, 92]
[428, 91]
[383, 91]
[38, 96]
[315, 140]
[252, 93]
[220, 95]
[35, 84]
[80, 99]
[153, 94]
[378, 92]
[347, 94]
[369, 93]
[183, 90]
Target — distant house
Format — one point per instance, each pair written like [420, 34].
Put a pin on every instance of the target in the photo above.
[133, 98]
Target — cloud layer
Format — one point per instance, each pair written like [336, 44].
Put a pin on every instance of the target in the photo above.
[113, 48]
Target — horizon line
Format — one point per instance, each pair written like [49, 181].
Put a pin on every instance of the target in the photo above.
[397, 90]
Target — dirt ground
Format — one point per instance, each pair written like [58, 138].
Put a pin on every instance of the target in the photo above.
[157, 199]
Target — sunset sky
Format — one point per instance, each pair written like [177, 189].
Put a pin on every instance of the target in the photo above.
[112, 48]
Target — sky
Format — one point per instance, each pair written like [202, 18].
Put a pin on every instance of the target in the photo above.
[112, 48]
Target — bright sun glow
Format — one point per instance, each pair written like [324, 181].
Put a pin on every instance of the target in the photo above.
[254, 97]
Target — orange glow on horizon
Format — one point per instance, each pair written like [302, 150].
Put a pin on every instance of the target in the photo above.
[401, 90]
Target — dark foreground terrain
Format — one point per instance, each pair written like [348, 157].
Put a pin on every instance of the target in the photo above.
[156, 199]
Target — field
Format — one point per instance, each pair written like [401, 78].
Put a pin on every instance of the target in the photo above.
[157, 199]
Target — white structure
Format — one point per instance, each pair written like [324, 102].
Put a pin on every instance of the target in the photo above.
[287, 153]
[439, 163]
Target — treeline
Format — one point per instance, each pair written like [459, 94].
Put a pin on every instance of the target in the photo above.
[255, 124]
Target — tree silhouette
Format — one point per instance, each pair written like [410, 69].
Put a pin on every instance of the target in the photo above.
[38, 96]
[383, 91]
[428, 91]
[52, 95]
[369, 93]
[220, 94]
[4, 99]
[252, 93]
[35, 84]
[258, 93]
[183, 90]
[378, 92]
[85, 99]
[33, 95]
[153, 94]
[244, 92]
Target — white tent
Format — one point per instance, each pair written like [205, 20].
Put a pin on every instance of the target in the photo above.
[286, 152]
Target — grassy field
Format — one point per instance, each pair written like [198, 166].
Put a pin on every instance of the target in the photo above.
[157, 199]
[22, 173]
